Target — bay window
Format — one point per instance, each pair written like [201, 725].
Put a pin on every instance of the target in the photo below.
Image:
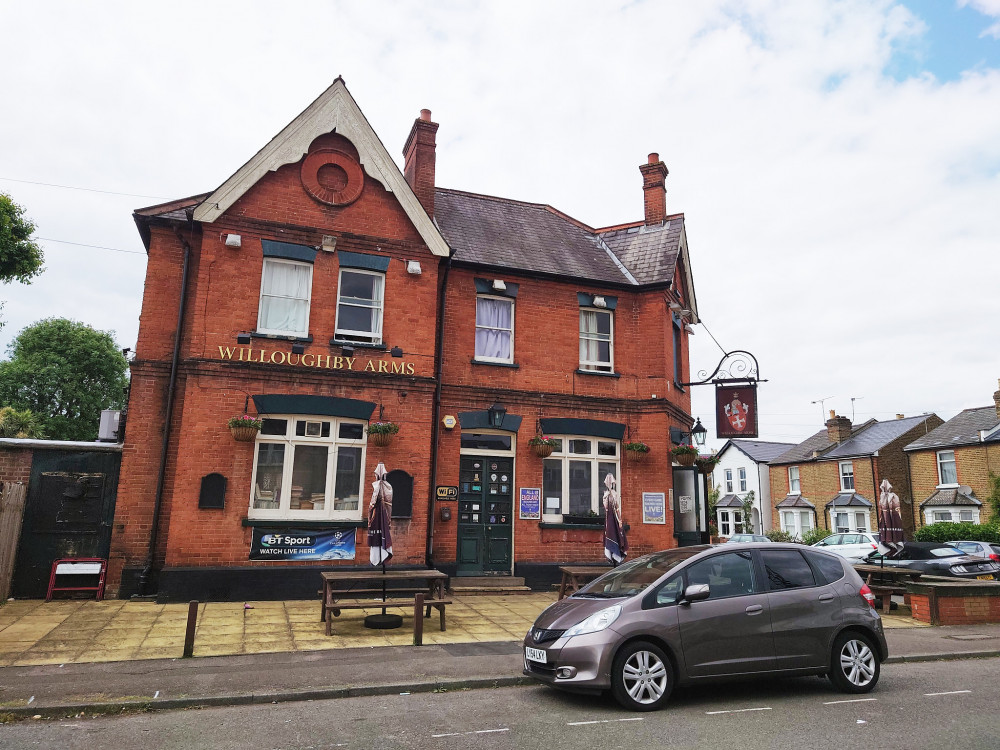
[796, 522]
[573, 476]
[309, 468]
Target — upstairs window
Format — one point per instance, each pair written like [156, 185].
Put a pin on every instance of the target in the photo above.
[494, 329]
[743, 479]
[794, 487]
[847, 476]
[285, 292]
[597, 340]
[946, 468]
[729, 481]
[359, 306]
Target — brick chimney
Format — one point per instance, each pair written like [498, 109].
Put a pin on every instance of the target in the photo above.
[654, 190]
[838, 429]
[419, 158]
[996, 399]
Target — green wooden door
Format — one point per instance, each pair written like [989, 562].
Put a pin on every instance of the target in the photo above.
[485, 515]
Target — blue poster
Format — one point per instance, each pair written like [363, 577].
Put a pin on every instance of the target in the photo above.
[302, 544]
[531, 503]
[654, 507]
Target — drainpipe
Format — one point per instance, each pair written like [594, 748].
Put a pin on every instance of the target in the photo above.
[143, 582]
[436, 411]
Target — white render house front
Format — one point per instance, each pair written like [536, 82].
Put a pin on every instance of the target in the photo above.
[742, 468]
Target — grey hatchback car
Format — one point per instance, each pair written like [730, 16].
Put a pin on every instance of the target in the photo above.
[698, 614]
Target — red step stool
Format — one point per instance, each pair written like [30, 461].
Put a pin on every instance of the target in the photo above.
[70, 566]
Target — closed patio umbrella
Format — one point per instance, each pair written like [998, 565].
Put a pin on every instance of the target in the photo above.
[615, 543]
[890, 522]
[380, 541]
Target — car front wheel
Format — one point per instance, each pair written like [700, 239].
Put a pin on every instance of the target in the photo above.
[855, 667]
[641, 677]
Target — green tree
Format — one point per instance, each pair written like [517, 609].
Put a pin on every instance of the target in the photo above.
[746, 513]
[994, 498]
[19, 424]
[20, 256]
[64, 372]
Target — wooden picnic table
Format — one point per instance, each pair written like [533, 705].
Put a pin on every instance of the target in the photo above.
[362, 589]
[886, 581]
[575, 576]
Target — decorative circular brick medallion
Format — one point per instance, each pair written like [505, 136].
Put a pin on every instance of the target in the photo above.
[332, 177]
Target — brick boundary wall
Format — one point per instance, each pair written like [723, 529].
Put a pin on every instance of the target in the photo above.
[955, 603]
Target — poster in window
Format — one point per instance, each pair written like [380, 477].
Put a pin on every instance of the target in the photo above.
[736, 411]
[301, 544]
[654, 507]
[530, 504]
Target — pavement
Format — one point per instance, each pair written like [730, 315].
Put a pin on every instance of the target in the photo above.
[72, 657]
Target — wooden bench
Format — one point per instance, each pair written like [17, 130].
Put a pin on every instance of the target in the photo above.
[885, 592]
[418, 602]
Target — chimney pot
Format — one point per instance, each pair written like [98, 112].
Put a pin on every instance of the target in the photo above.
[425, 115]
[832, 413]
[900, 416]
[996, 400]
[653, 158]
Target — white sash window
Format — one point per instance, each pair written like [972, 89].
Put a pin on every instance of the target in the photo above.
[285, 291]
[494, 329]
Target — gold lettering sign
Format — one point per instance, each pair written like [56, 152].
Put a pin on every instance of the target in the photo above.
[314, 361]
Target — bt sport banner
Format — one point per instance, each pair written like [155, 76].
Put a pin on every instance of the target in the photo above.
[736, 411]
[302, 544]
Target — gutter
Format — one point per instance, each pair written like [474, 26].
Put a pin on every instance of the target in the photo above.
[436, 411]
[147, 570]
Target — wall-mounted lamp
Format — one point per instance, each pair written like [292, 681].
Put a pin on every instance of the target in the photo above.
[396, 351]
[675, 307]
[496, 414]
[413, 266]
[233, 240]
[445, 513]
[347, 351]
[600, 301]
[698, 434]
[499, 286]
[298, 348]
[329, 243]
[243, 338]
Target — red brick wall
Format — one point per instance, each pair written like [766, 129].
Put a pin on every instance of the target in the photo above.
[955, 610]
[15, 464]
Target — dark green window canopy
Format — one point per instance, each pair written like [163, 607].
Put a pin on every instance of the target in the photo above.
[480, 420]
[591, 427]
[485, 286]
[288, 251]
[324, 406]
[587, 300]
[363, 260]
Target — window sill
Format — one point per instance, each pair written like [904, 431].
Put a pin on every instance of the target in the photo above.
[357, 344]
[574, 526]
[511, 365]
[599, 373]
[288, 523]
[281, 337]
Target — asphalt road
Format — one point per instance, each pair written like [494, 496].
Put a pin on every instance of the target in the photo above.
[922, 705]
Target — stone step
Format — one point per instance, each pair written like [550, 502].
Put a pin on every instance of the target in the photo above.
[488, 590]
[474, 585]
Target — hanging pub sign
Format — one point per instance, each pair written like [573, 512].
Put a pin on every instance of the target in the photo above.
[736, 410]
[301, 544]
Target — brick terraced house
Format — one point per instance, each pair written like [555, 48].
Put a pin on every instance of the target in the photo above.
[950, 466]
[322, 289]
[831, 480]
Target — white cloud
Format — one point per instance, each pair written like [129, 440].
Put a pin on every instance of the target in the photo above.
[840, 221]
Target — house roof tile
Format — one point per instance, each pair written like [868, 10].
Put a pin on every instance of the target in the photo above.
[962, 429]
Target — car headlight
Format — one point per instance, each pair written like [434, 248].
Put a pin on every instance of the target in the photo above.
[596, 622]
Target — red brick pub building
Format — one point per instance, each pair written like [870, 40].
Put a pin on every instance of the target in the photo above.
[322, 290]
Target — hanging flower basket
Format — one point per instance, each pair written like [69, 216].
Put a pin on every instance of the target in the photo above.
[381, 433]
[636, 451]
[542, 445]
[245, 427]
[706, 465]
[685, 455]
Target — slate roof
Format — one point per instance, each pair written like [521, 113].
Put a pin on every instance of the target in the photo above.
[795, 501]
[820, 442]
[953, 496]
[760, 451]
[962, 429]
[729, 501]
[874, 438]
[490, 231]
[849, 500]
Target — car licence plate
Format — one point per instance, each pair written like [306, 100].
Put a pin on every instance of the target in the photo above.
[535, 654]
[985, 578]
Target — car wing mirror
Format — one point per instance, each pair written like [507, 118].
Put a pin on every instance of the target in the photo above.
[695, 592]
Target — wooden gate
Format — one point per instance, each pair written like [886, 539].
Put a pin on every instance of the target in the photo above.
[11, 513]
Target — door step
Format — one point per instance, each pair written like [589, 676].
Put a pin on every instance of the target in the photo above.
[486, 585]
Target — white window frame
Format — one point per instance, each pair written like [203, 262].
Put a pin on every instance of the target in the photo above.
[942, 455]
[730, 521]
[954, 515]
[513, 310]
[862, 522]
[794, 482]
[741, 473]
[847, 476]
[269, 263]
[562, 454]
[291, 441]
[729, 481]
[599, 365]
[348, 336]
[801, 522]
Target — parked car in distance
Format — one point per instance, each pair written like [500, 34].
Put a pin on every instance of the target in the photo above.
[938, 559]
[979, 549]
[694, 615]
[855, 546]
[743, 538]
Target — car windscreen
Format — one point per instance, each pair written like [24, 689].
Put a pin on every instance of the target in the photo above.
[631, 577]
[946, 552]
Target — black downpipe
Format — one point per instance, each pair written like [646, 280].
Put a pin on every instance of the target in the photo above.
[436, 412]
[143, 582]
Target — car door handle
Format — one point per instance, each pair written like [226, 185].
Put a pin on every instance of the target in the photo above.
[755, 609]
[826, 597]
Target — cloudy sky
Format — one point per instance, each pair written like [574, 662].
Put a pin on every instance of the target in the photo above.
[838, 161]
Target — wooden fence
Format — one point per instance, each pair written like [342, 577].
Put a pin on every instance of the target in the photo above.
[11, 514]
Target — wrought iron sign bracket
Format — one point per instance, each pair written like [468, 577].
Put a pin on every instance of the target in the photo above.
[742, 367]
